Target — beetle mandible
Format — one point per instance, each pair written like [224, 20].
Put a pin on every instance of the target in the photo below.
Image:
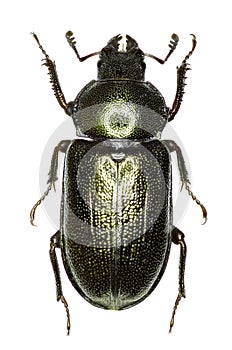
[116, 225]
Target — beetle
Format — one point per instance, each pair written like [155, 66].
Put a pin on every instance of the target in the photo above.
[116, 225]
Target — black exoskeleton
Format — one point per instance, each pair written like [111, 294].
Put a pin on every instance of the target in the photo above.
[116, 225]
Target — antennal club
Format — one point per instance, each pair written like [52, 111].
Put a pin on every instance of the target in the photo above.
[172, 45]
[72, 42]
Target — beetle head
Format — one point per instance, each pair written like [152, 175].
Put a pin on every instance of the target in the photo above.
[115, 64]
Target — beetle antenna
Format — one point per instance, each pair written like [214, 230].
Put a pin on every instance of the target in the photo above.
[72, 42]
[172, 45]
[204, 211]
[32, 212]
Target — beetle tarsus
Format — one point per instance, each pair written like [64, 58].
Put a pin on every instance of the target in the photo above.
[33, 210]
[40, 46]
[174, 312]
[67, 312]
[203, 208]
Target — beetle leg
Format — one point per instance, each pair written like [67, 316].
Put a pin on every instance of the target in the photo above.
[52, 175]
[172, 45]
[178, 238]
[54, 243]
[54, 79]
[172, 146]
[181, 77]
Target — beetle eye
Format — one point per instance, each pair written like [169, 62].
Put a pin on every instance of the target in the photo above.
[143, 65]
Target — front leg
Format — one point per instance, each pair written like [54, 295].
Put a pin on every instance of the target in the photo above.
[52, 175]
[54, 80]
[172, 146]
[181, 77]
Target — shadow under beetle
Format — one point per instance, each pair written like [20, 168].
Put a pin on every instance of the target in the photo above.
[116, 223]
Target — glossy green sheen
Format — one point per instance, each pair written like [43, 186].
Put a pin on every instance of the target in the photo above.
[116, 216]
[117, 204]
[116, 224]
[119, 109]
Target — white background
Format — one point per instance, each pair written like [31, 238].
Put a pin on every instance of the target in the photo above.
[29, 314]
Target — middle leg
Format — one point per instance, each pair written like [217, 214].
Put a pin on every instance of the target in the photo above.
[173, 147]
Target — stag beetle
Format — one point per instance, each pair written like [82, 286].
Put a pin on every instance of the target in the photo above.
[116, 225]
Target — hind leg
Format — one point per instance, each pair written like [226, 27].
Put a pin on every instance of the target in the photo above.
[178, 238]
[55, 243]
